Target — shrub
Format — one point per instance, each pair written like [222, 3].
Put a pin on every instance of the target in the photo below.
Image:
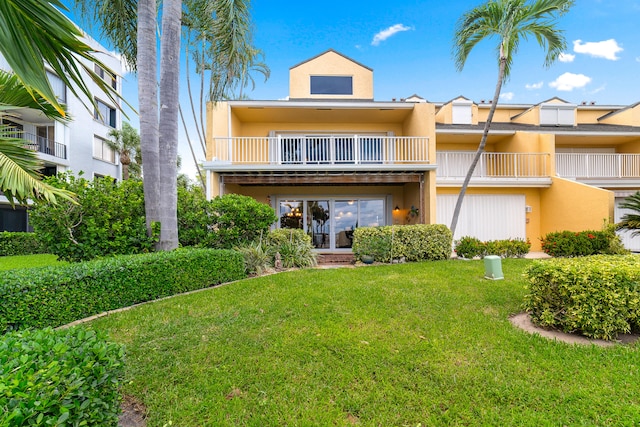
[296, 254]
[239, 219]
[294, 247]
[54, 296]
[598, 296]
[194, 219]
[470, 247]
[418, 242]
[109, 219]
[224, 222]
[281, 236]
[68, 377]
[373, 242]
[581, 243]
[20, 244]
[508, 248]
[256, 257]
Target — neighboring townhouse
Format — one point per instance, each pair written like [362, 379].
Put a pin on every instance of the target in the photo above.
[330, 159]
[547, 167]
[78, 145]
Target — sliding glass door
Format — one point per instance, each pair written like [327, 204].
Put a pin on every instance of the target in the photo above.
[330, 222]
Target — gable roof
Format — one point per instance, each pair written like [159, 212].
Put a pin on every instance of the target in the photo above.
[555, 98]
[613, 113]
[337, 53]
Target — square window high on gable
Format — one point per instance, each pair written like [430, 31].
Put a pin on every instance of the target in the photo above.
[331, 85]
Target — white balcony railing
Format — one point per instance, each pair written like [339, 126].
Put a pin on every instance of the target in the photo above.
[597, 165]
[322, 149]
[455, 164]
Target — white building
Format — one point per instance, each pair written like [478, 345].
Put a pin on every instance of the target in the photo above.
[74, 146]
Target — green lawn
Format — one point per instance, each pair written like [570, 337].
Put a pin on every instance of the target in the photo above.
[28, 261]
[425, 344]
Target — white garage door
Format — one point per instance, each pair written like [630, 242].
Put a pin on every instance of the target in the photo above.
[631, 243]
[487, 217]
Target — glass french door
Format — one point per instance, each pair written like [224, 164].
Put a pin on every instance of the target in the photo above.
[330, 222]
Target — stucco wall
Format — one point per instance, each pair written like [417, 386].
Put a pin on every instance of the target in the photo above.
[569, 205]
[330, 64]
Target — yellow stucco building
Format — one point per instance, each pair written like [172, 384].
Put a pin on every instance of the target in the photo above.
[330, 159]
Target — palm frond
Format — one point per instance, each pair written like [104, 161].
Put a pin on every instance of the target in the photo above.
[19, 176]
[13, 94]
[511, 22]
[34, 33]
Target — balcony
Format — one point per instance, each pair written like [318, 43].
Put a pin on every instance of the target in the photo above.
[494, 169]
[44, 145]
[599, 168]
[322, 152]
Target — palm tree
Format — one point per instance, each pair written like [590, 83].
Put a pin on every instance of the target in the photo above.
[159, 126]
[126, 143]
[631, 221]
[510, 21]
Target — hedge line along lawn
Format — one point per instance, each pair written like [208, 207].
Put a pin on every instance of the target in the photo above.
[28, 261]
[421, 344]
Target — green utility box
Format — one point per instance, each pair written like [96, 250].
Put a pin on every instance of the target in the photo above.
[493, 267]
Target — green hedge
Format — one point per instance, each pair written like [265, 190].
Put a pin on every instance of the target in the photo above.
[582, 243]
[20, 244]
[54, 296]
[598, 296]
[420, 242]
[68, 377]
[470, 247]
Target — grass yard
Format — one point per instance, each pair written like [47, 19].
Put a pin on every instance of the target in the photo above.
[421, 344]
[28, 261]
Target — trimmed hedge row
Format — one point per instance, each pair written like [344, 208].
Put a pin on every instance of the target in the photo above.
[420, 242]
[583, 243]
[598, 296]
[470, 247]
[68, 377]
[20, 244]
[54, 296]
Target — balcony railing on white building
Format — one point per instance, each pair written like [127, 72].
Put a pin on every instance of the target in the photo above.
[321, 149]
[455, 164]
[44, 145]
[597, 165]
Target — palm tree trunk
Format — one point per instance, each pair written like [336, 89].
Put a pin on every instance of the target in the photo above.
[168, 139]
[148, 100]
[480, 150]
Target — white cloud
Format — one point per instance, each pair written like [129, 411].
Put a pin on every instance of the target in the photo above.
[507, 96]
[566, 57]
[385, 34]
[638, 59]
[605, 49]
[600, 89]
[569, 81]
[534, 86]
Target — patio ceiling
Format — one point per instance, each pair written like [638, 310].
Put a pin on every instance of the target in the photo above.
[322, 114]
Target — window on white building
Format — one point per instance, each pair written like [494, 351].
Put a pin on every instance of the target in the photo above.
[58, 86]
[102, 151]
[105, 114]
[106, 76]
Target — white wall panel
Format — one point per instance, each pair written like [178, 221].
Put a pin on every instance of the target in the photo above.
[487, 217]
[631, 243]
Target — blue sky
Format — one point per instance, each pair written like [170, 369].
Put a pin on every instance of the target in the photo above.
[408, 44]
